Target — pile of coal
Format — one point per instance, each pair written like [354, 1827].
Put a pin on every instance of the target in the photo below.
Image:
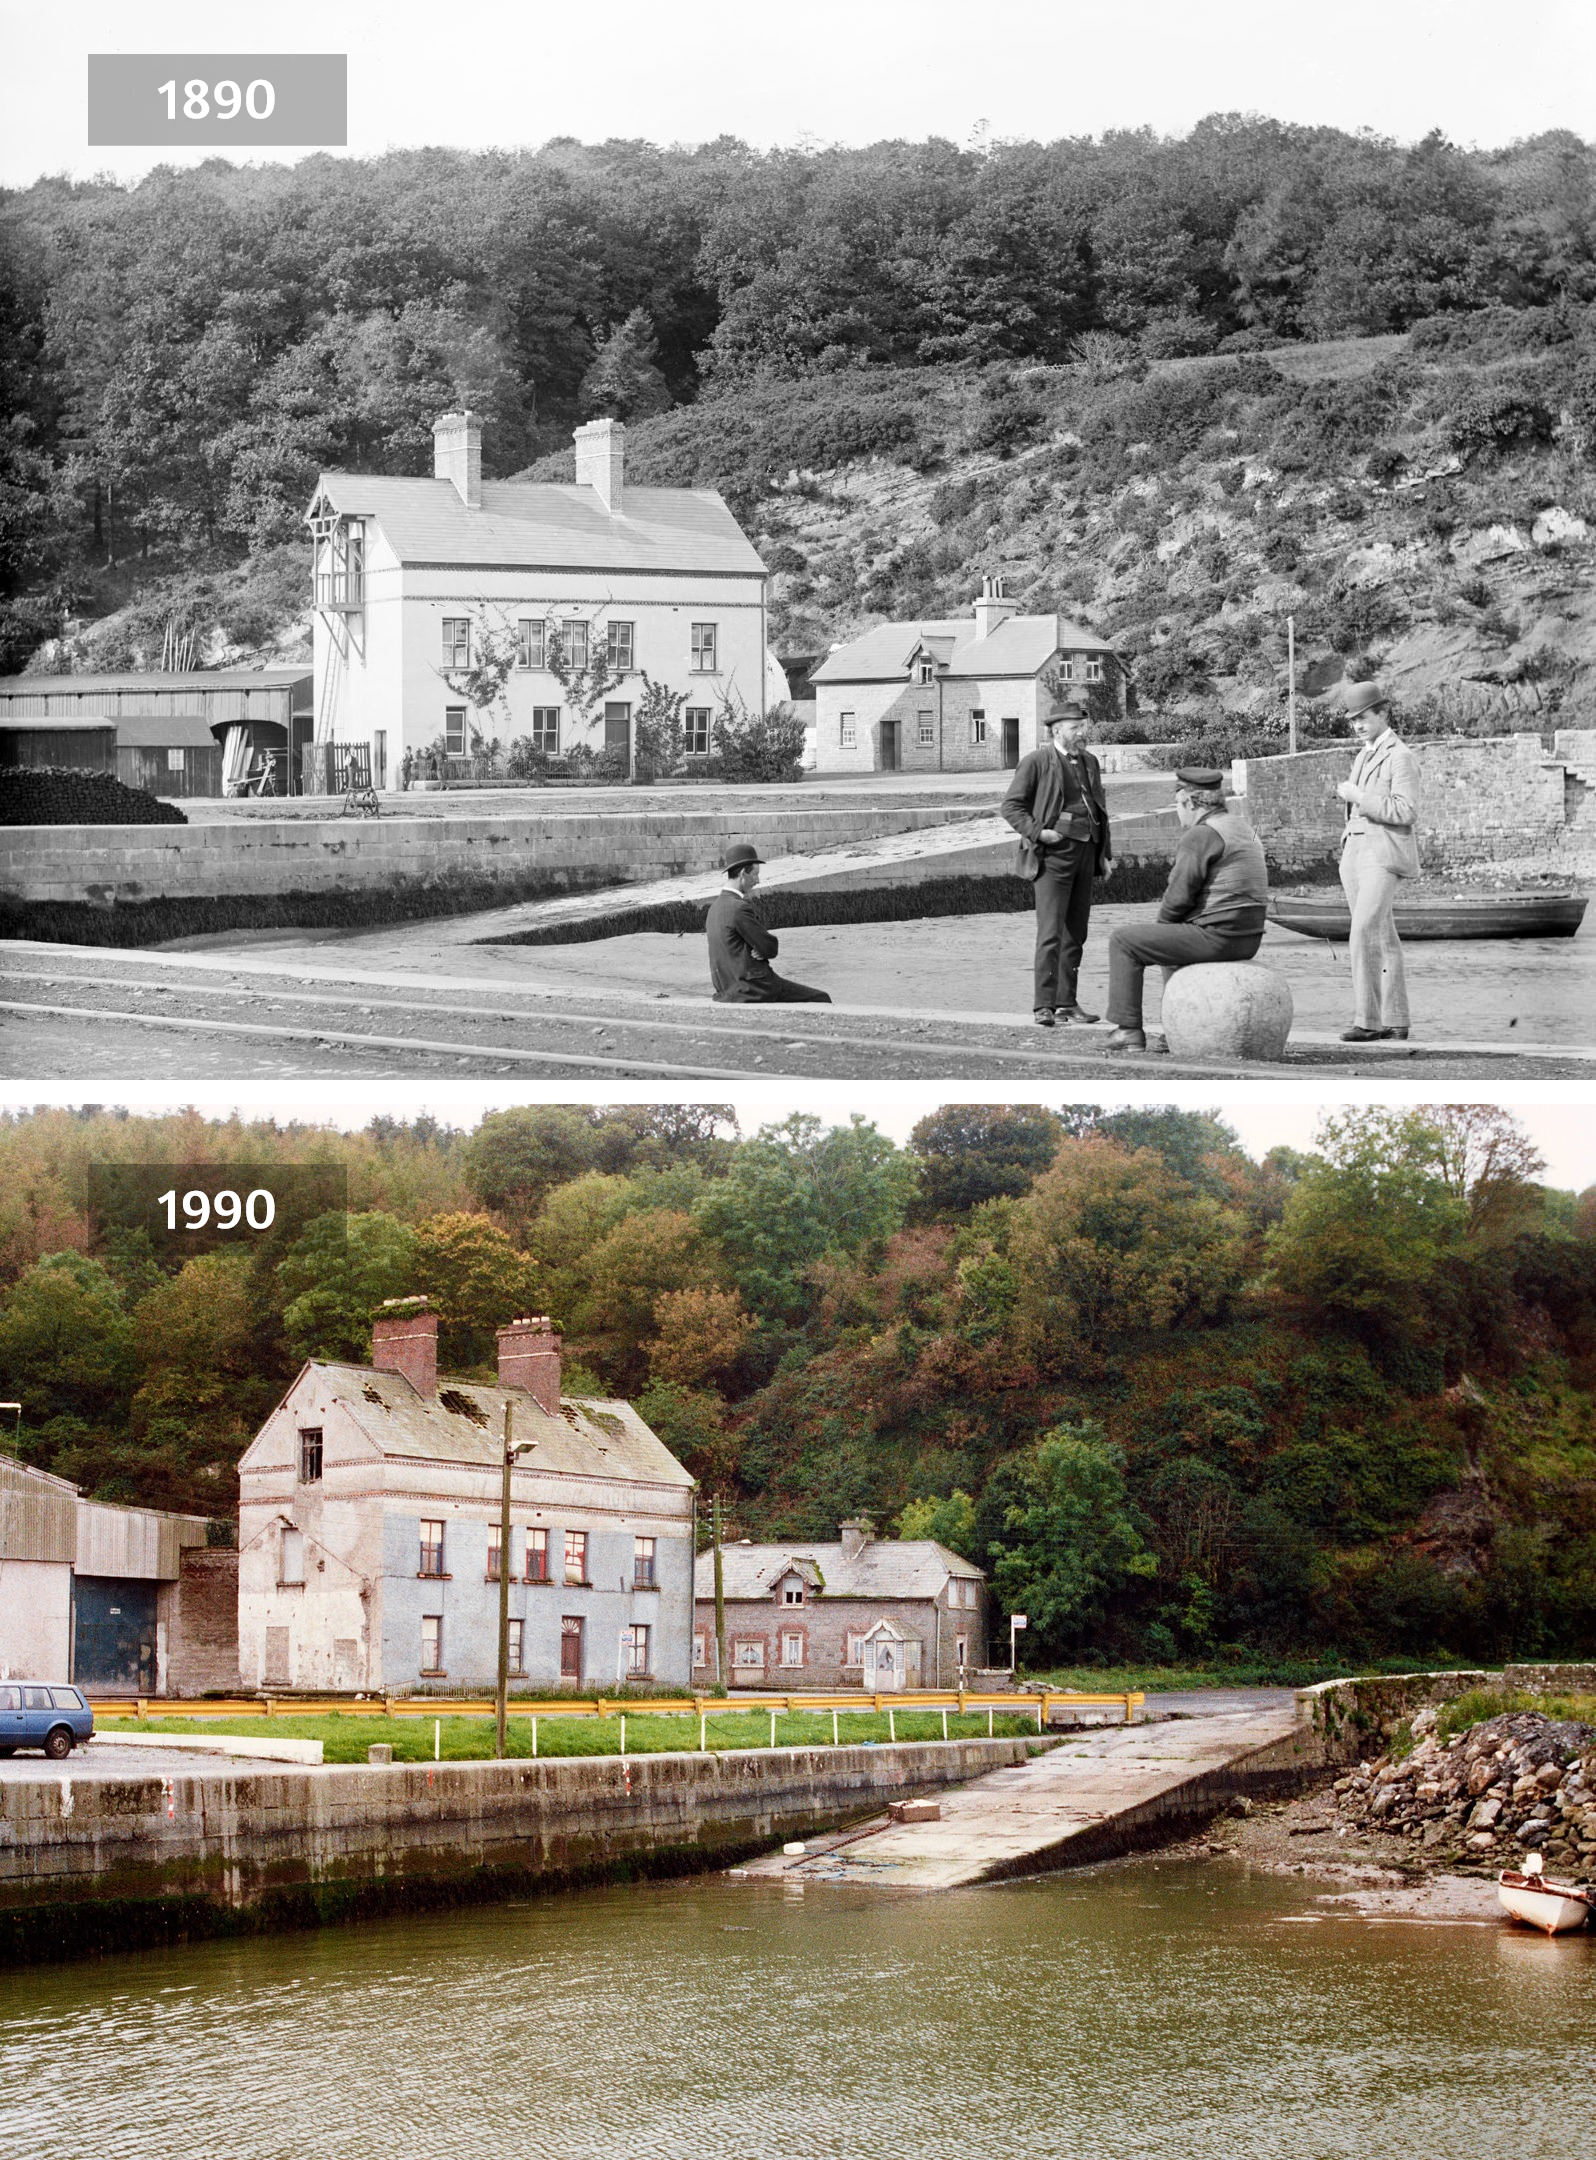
[1513, 1785]
[60, 795]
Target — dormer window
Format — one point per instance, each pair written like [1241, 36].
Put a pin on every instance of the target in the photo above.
[792, 1592]
[925, 671]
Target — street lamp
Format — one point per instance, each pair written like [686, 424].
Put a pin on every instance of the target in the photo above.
[511, 1451]
[1016, 1622]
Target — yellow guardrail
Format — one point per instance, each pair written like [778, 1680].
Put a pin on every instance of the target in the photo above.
[1043, 1702]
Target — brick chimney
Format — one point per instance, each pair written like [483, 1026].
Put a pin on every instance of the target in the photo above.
[529, 1357]
[601, 460]
[856, 1534]
[992, 608]
[404, 1339]
[457, 455]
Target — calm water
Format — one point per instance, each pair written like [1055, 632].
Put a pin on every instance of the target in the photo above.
[1184, 2012]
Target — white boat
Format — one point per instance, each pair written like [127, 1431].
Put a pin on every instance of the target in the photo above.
[1555, 1908]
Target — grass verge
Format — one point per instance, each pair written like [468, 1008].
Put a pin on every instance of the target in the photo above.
[346, 1735]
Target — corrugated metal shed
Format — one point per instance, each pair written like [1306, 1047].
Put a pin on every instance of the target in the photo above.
[134, 1543]
[546, 525]
[38, 1515]
[217, 696]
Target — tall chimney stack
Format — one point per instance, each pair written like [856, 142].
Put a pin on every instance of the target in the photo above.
[993, 607]
[529, 1357]
[856, 1535]
[601, 461]
[457, 455]
[404, 1339]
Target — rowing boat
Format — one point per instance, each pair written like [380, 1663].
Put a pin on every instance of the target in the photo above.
[1493, 915]
[1555, 1908]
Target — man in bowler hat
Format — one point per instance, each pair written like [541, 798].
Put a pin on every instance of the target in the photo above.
[1213, 906]
[741, 948]
[1379, 848]
[1056, 805]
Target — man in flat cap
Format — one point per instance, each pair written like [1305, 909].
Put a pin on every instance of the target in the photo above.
[1379, 848]
[1056, 805]
[741, 948]
[1212, 909]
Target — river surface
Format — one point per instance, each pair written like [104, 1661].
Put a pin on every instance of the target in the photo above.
[1140, 2009]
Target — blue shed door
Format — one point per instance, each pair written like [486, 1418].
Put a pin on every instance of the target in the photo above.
[115, 1636]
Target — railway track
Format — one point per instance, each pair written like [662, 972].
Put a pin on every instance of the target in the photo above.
[247, 1014]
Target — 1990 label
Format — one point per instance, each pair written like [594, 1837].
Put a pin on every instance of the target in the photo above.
[188, 1208]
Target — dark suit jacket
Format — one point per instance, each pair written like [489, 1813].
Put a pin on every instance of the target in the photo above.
[1043, 796]
[740, 947]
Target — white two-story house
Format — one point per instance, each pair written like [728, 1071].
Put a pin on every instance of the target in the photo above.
[418, 582]
[961, 694]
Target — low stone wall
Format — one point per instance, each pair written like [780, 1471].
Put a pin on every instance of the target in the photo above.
[1550, 1679]
[1346, 1715]
[103, 865]
[1500, 800]
[94, 1864]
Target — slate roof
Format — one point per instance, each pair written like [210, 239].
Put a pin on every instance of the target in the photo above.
[464, 1423]
[547, 525]
[884, 1568]
[1022, 645]
[163, 731]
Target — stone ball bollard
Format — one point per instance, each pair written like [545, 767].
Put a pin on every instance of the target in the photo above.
[1227, 1009]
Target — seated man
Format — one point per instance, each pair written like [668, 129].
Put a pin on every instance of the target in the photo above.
[1213, 906]
[741, 948]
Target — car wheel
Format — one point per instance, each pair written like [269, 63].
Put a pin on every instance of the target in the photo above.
[7, 1751]
[58, 1743]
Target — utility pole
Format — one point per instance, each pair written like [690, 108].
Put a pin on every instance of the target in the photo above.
[720, 1597]
[502, 1705]
[1291, 678]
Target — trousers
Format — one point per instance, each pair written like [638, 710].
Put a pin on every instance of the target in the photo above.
[1135, 947]
[774, 989]
[1379, 983]
[1063, 914]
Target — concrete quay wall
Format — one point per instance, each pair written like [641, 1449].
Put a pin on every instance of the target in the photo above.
[100, 1864]
[103, 865]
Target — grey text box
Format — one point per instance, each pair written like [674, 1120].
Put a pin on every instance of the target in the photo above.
[298, 98]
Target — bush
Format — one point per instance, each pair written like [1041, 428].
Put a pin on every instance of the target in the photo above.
[763, 747]
[1497, 417]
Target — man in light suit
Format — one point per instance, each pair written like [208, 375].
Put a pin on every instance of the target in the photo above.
[1379, 848]
[1056, 805]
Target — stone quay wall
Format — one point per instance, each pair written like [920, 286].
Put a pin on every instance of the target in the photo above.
[103, 865]
[1501, 800]
[99, 1864]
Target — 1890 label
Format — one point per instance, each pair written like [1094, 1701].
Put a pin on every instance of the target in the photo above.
[251, 100]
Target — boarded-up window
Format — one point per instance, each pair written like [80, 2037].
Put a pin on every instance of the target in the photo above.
[291, 1556]
[278, 1655]
[346, 1661]
[570, 1648]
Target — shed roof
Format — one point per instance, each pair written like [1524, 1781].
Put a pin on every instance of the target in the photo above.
[55, 724]
[163, 731]
[883, 1568]
[464, 1423]
[269, 678]
[547, 525]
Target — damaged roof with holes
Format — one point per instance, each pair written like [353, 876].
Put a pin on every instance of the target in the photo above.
[464, 1423]
[883, 1568]
[546, 525]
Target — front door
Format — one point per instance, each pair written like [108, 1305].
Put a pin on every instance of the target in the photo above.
[889, 746]
[1011, 743]
[618, 733]
[379, 759]
[570, 1648]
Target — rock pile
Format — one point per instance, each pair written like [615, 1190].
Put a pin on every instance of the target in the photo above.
[1513, 1785]
[60, 795]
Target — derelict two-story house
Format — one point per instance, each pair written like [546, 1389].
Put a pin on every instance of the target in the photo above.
[412, 576]
[369, 1522]
[956, 695]
[880, 1614]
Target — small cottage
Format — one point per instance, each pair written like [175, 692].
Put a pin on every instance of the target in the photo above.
[880, 1614]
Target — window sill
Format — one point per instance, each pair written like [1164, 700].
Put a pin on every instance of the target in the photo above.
[433, 1575]
[645, 1586]
[537, 1582]
[436, 1673]
[576, 1582]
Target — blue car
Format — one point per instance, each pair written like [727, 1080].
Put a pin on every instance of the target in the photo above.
[53, 1718]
